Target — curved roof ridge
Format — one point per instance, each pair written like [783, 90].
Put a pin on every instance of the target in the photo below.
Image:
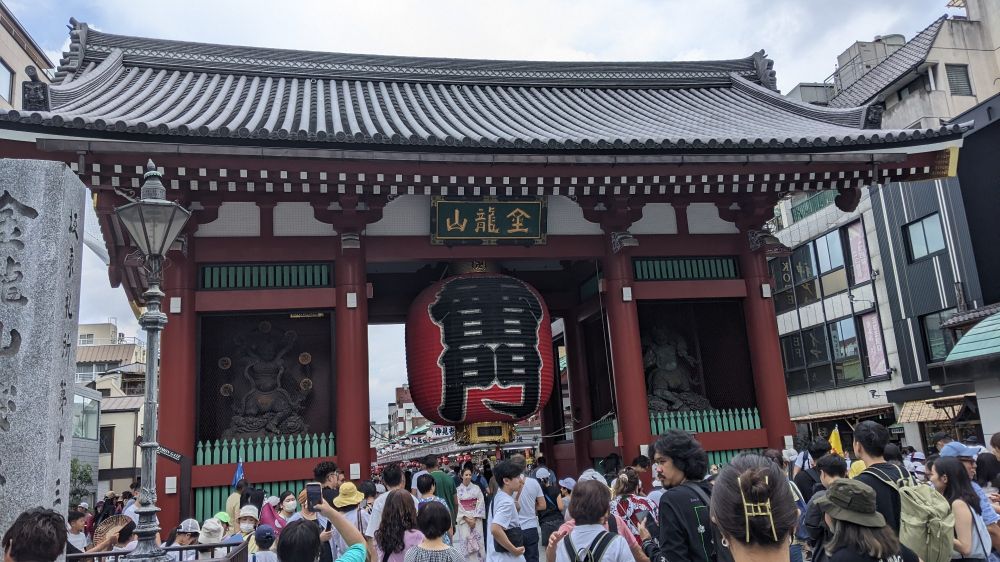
[902, 60]
[90, 45]
[853, 117]
[62, 93]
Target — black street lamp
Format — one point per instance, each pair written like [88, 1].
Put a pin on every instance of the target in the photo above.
[153, 223]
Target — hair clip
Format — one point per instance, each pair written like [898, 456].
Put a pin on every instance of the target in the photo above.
[758, 509]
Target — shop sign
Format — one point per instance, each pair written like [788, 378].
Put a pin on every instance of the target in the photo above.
[488, 221]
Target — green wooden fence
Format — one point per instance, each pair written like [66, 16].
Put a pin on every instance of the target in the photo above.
[209, 501]
[720, 458]
[269, 276]
[604, 429]
[276, 448]
[705, 421]
[685, 269]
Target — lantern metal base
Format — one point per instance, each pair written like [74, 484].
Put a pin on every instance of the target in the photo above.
[484, 432]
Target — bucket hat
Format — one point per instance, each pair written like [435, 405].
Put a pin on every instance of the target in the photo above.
[189, 526]
[349, 495]
[249, 511]
[853, 501]
[568, 483]
[211, 532]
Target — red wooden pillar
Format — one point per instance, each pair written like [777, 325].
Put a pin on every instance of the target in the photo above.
[765, 350]
[353, 433]
[626, 353]
[578, 394]
[178, 389]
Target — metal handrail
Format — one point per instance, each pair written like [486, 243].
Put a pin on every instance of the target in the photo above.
[235, 552]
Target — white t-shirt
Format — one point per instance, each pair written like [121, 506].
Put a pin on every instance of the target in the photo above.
[77, 540]
[413, 487]
[360, 518]
[503, 512]
[530, 493]
[583, 535]
[654, 496]
[375, 519]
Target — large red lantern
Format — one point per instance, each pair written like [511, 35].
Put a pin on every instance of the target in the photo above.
[479, 349]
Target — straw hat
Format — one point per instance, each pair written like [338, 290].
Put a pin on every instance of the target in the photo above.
[349, 495]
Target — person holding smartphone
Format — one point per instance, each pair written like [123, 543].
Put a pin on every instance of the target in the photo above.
[311, 500]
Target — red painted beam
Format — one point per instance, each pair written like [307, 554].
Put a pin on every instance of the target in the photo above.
[664, 290]
[266, 299]
[409, 248]
[732, 440]
[257, 472]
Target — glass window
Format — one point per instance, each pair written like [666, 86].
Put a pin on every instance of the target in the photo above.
[829, 252]
[784, 301]
[86, 339]
[791, 351]
[820, 377]
[936, 341]
[107, 440]
[846, 346]
[834, 282]
[925, 236]
[796, 382]
[803, 263]
[6, 82]
[807, 293]
[85, 417]
[781, 271]
[814, 343]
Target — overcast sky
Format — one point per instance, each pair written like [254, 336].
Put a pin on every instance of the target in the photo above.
[802, 37]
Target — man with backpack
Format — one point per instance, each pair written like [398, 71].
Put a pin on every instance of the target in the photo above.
[831, 468]
[920, 516]
[686, 531]
[807, 480]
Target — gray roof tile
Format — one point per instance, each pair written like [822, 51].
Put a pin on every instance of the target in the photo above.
[887, 72]
[132, 86]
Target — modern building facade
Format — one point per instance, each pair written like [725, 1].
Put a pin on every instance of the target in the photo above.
[102, 349]
[120, 458]
[328, 191]
[403, 414]
[17, 52]
[86, 434]
[918, 241]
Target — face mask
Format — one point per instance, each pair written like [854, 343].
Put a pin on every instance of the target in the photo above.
[290, 505]
[246, 527]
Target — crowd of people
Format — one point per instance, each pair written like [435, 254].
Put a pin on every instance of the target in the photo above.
[888, 505]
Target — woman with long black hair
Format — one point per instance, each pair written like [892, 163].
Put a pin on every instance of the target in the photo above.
[397, 533]
[950, 478]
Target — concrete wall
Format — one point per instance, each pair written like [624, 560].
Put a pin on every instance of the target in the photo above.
[988, 396]
[16, 57]
[125, 454]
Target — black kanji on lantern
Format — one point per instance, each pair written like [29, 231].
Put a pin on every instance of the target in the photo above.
[489, 327]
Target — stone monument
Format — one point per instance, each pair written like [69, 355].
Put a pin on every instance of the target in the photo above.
[41, 231]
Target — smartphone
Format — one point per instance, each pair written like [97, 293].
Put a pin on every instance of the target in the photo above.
[314, 495]
[641, 515]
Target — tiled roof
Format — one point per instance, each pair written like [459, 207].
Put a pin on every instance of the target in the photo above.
[983, 339]
[119, 353]
[922, 411]
[121, 403]
[151, 89]
[969, 316]
[862, 412]
[887, 72]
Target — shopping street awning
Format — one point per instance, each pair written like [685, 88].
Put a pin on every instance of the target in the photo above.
[851, 413]
[945, 408]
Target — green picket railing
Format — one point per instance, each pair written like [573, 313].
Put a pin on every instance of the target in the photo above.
[209, 501]
[685, 269]
[265, 276]
[705, 421]
[604, 429]
[272, 448]
[720, 458]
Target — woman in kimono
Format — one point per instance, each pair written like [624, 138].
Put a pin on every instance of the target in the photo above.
[471, 511]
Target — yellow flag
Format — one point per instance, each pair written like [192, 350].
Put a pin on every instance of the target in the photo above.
[835, 443]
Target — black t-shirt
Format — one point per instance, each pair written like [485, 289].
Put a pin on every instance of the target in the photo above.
[886, 497]
[847, 555]
[70, 549]
[685, 526]
[806, 481]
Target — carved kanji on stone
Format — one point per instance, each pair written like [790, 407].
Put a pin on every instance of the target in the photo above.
[12, 213]
[7, 406]
[14, 344]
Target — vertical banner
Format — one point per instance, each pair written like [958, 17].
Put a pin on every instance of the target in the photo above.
[873, 341]
[859, 252]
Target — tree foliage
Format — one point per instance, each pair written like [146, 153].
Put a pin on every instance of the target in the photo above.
[81, 481]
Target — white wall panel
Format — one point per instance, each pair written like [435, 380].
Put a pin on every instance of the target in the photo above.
[657, 218]
[235, 219]
[566, 217]
[703, 218]
[406, 215]
[297, 219]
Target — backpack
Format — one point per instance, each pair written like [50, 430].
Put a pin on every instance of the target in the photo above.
[594, 553]
[926, 523]
[716, 550]
[801, 533]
